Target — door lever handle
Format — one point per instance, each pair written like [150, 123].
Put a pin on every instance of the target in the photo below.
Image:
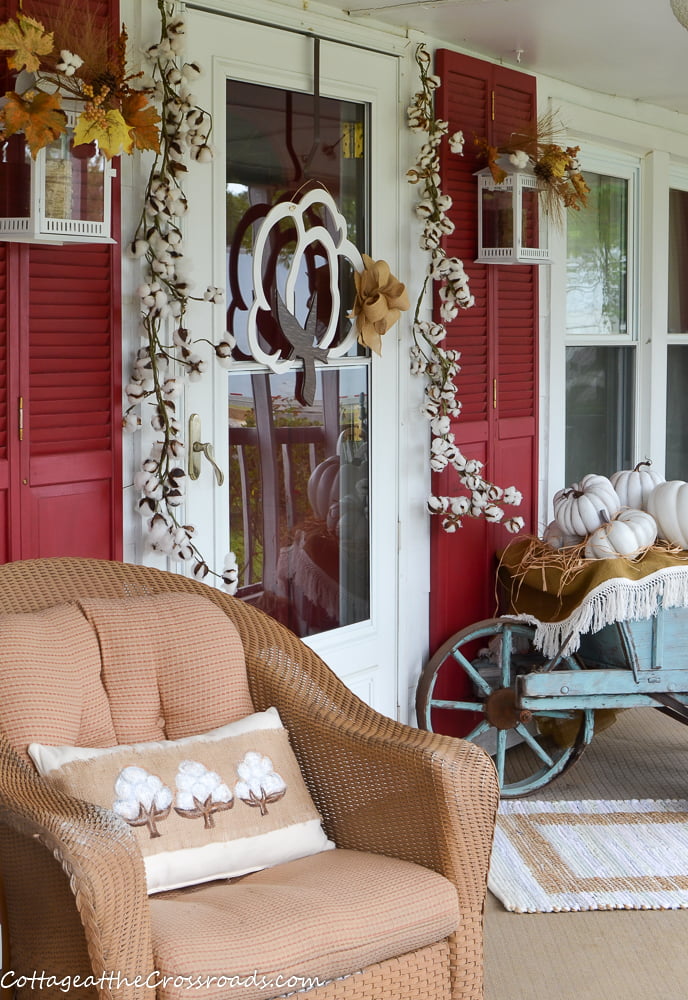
[198, 448]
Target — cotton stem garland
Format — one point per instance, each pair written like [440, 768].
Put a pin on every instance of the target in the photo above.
[162, 368]
[428, 358]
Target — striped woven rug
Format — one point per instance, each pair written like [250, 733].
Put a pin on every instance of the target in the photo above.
[591, 855]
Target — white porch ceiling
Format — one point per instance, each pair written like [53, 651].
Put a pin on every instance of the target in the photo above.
[629, 48]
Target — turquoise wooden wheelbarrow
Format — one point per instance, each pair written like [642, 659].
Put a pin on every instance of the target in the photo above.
[538, 690]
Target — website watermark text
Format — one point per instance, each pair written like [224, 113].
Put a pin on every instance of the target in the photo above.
[156, 980]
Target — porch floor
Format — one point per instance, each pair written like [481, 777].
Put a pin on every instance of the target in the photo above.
[629, 954]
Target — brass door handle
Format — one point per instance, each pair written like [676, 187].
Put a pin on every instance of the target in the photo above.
[198, 448]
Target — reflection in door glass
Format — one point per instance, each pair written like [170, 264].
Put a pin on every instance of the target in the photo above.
[276, 150]
[298, 483]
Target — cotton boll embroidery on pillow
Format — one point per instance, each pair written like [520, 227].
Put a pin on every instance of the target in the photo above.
[259, 784]
[200, 792]
[142, 798]
[161, 788]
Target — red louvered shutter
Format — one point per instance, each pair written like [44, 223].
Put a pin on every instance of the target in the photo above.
[497, 338]
[4, 409]
[60, 380]
[68, 407]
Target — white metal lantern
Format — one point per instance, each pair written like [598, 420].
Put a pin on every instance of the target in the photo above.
[512, 228]
[63, 196]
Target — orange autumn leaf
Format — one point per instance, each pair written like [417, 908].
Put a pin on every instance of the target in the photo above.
[39, 118]
[27, 39]
[143, 121]
[498, 175]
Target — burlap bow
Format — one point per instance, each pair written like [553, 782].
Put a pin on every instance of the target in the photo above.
[380, 301]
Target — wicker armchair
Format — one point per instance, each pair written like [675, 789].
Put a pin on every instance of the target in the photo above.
[74, 886]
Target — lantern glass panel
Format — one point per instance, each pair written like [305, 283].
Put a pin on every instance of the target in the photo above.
[529, 217]
[74, 181]
[498, 218]
[15, 178]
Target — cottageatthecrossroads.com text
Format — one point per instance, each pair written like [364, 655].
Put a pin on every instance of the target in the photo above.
[154, 981]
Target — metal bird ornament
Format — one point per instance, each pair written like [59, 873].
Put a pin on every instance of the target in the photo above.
[303, 341]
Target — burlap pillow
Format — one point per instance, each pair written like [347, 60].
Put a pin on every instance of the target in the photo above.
[220, 804]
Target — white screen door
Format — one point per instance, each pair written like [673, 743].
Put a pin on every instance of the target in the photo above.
[308, 448]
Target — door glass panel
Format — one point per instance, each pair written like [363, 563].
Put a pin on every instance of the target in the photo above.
[299, 496]
[678, 261]
[299, 481]
[597, 258]
[279, 144]
[677, 413]
[599, 410]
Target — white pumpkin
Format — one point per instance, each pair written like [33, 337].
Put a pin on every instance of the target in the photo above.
[627, 534]
[668, 504]
[555, 536]
[323, 485]
[635, 485]
[580, 508]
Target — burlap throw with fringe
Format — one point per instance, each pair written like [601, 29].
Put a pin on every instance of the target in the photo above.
[565, 595]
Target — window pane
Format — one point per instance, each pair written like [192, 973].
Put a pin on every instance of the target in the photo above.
[597, 251]
[677, 413]
[298, 485]
[678, 262]
[599, 410]
[276, 150]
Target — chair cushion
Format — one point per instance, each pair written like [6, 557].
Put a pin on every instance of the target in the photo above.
[220, 804]
[50, 682]
[173, 666]
[321, 917]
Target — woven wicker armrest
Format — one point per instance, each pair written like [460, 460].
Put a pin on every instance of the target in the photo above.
[105, 876]
[384, 787]
[388, 788]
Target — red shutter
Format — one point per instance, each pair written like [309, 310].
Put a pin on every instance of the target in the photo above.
[515, 341]
[69, 351]
[60, 486]
[4, 408]
[69, 406]
[497, 384]
[4, 388]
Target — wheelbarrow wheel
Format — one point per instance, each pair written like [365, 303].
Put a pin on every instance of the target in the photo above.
[529, 749]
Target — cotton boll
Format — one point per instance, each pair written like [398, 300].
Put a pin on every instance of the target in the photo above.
[174, 498]
[223, 353]
[130, 423]
[164, 544]
[128, 809]
[181, 336]
[172, 387]
[191, 71]
[146, 506]
[187, 773]
[176, 477]
[157, 528]
[273, 784]
[203, 153]
[200, 570]
[135, 392]
[173, 76]
[137, 248]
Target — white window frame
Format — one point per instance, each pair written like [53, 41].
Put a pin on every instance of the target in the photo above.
[613, 163]
[676, 179]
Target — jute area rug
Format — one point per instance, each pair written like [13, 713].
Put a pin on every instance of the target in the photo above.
[591, 855]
